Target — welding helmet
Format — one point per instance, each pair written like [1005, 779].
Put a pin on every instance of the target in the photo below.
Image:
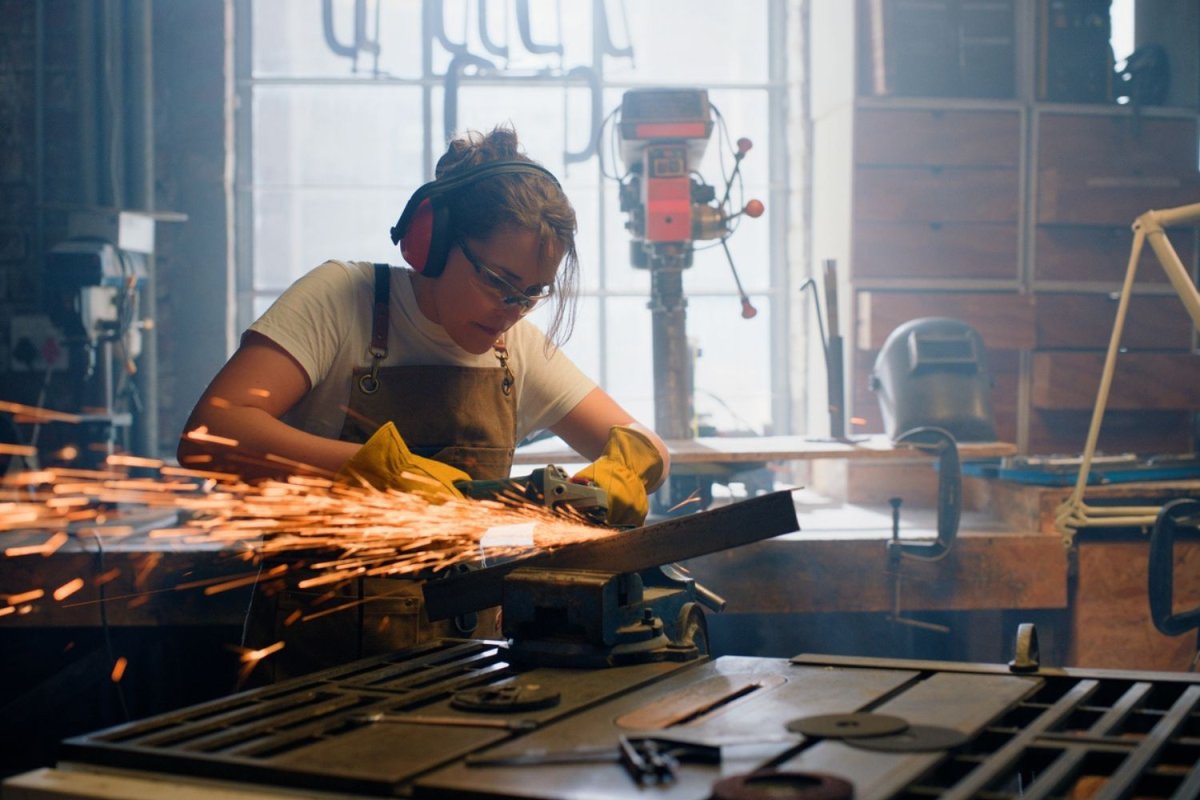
[933, 372]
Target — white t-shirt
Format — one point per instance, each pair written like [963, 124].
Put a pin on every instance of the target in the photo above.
[324, 321]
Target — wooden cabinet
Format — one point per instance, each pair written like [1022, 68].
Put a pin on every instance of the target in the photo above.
[936, 195]
[1013, 215]
[1108, 166]
[1095, 171]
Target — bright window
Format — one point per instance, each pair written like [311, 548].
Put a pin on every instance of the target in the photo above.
[342, 132]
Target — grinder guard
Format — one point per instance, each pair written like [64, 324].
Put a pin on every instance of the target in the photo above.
[933, 372]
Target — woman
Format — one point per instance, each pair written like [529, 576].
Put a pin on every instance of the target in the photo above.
[433, 367]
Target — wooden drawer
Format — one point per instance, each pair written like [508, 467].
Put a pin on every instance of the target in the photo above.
[1004, 321]
[952, 251]
[1116, 144]
[1143, 381]
[936, 194]
[1106, 170]
[1078, 321]
[1065, 432]
[1084, 253]
[1073, 199]
[904, 137]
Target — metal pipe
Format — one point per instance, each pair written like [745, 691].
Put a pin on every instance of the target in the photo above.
[39, 135]
[85, 19]
[672, 360]
[140, 149]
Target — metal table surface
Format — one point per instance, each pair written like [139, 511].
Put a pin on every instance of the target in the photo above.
[1046, 733]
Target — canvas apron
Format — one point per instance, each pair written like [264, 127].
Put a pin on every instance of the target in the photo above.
[463, 416]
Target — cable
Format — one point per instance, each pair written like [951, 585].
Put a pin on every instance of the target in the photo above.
[613, 141]
[106, 628]
[250, 605]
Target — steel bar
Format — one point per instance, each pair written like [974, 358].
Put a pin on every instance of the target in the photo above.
[642, 548]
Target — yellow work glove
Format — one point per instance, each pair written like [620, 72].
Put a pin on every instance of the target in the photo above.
[385, 462]
[630, 462]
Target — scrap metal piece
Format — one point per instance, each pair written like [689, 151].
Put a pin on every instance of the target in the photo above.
[508, 698]
[848, 726]
[914, 739]
[650, 546]
[1027, 657]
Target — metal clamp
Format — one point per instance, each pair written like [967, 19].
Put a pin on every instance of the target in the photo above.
[1026, 655]
[1174, 517]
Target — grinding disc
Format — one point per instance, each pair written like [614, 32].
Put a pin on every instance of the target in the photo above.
[917, 739]
[847, 726]
[767, 784]
[501, 699]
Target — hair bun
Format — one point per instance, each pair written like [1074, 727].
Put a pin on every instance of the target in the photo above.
[475, 148]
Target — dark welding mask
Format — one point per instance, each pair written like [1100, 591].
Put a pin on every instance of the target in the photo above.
[933, 372]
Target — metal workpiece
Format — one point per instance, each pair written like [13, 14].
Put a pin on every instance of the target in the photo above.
[630, 551]
[680, 730]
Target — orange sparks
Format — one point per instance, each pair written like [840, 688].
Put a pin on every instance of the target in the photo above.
[252, 656]
[17, 449]
[107, 531]
[67, 589]
[44, 549]
[260, 392]
[67, 502]
[121, 460]
[336, 609]
[329, 577]
[326, 532]
[198, 473]
[35, 414]
[215, 585]
[201, 434]
[26, 597]
[118, 670]
[107, 577]
[219, 402]
[300, 465]
[694, 497]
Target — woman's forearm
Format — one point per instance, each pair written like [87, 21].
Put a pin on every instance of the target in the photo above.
[254, 443]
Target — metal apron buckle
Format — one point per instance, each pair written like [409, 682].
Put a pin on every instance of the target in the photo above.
[369, 383]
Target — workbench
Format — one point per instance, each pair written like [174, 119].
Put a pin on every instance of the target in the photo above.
[408, 724]
[746, 451]
[831, 577]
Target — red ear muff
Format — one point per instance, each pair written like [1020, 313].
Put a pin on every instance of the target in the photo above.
[414, 243]
[424, 230]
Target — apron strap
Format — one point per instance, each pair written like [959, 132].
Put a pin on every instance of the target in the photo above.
[501, 351]
[369, 382]
[379, 324]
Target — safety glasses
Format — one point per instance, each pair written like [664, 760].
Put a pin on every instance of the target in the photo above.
[501, 289]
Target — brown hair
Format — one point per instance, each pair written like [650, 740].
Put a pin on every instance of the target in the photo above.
[527, 201]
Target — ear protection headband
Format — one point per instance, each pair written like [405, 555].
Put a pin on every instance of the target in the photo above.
[425, 230]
